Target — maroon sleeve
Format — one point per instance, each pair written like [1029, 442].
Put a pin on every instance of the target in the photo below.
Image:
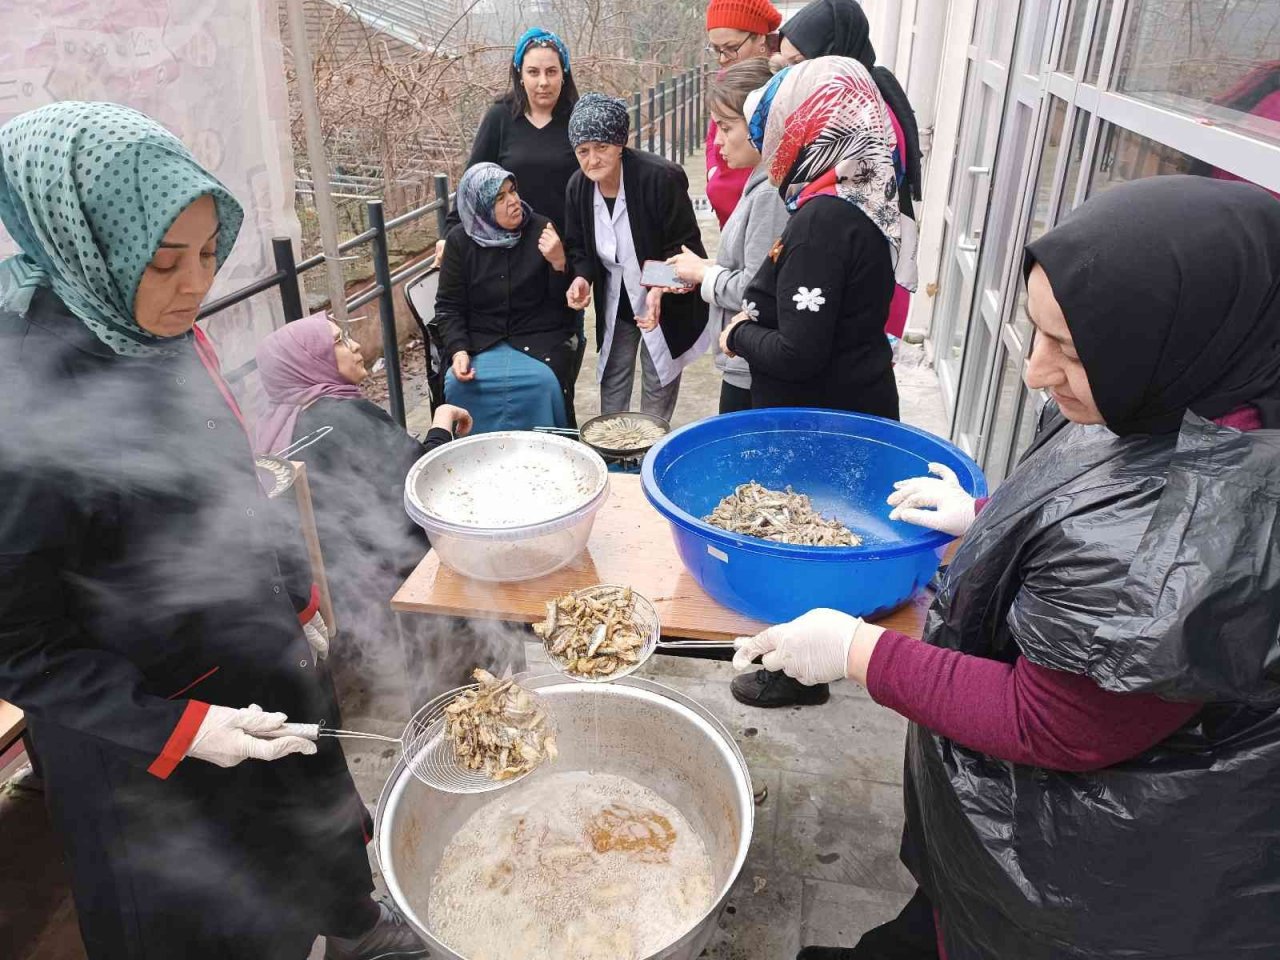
[979, 504]
[1022, 713]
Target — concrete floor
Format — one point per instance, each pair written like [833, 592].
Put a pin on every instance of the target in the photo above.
[823, 865]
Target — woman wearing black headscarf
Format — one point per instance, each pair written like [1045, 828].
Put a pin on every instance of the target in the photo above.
[1093, 766]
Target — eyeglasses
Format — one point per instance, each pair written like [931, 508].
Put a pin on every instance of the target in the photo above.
[342, 338]
[729, 51]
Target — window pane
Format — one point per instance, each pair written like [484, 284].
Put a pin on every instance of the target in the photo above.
[1075, 32]
[1094, 69]
[1004, 218]
[1214, 59]
[1123, 155]
[1074, 159]
[1028, 419]
[1048, 160]
[1004, 18]
[1009, 394]
[1034, 36]
[973, 380]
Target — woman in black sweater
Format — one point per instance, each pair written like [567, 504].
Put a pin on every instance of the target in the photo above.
[507, 330]
[625, 207]
[526, 131]
[812, 324]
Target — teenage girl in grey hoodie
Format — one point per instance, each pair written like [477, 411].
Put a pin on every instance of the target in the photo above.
[748, 235]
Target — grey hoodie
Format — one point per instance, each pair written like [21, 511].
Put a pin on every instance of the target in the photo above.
[749, 234]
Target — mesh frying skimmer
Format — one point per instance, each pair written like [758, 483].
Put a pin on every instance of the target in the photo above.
[426, 747]
[642, 615]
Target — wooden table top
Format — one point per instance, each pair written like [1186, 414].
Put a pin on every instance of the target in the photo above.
[630, 544]
[12, 723]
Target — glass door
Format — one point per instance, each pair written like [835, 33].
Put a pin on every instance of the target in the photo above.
[959, 343]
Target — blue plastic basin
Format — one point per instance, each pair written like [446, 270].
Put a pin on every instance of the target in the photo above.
[847, 463]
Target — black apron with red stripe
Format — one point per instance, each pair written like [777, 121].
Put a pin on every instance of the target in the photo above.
[137, 565]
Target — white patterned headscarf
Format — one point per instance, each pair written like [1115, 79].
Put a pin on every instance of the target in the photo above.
[823, 129]
[88, 191]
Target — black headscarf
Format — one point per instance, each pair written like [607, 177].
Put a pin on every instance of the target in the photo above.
[839, 28]
[1171, 289]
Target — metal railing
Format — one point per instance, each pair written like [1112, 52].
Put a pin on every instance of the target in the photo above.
[676, 124]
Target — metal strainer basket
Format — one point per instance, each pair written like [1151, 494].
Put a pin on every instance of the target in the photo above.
[641, 615]
[427, 750]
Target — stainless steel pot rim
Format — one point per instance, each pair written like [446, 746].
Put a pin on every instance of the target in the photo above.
[420, 514]
[639, 686]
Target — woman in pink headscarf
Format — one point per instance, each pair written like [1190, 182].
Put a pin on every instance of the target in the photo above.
[310, 372]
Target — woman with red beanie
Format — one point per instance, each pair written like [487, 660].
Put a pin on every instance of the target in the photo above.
[737, 30]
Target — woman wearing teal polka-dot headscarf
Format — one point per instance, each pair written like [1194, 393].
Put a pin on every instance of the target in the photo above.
[144, 610]
[88, 191]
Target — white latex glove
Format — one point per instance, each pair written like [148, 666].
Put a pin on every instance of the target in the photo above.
[227, 736]
[317, 634]
[953, 508]
[813, 648]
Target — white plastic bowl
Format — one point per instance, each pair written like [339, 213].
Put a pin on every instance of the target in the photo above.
[507, 506]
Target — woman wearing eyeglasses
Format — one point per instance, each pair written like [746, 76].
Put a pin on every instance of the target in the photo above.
[311, 373]
[737, 31]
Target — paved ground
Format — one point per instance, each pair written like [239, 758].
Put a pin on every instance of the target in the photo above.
[823, 865]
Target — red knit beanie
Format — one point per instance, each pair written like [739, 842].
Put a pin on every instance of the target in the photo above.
[752, 16]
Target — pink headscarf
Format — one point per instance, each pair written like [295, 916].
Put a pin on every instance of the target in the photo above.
[297, 365]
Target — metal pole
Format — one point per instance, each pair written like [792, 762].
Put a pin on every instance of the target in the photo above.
[282, 250]
[442, 211]
[689, 112]
[662, 114]
[683, 102]
[319, 162]
[386, 310]
[693, 110]
[675, 117]
[638, 118]
[702, 100]
[652, 119]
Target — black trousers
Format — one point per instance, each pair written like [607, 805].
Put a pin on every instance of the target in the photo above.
[733, 399]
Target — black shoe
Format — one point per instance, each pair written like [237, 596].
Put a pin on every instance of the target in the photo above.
[827, 953]
[773, 688]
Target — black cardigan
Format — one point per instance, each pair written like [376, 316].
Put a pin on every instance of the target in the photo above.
[662, 220]
[837, 355]
[488, 295]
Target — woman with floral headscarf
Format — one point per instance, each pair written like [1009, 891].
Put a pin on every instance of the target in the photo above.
[143, 617]
[507, 330]
[812, 322]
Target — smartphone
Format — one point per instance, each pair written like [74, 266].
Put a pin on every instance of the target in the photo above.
[659, 273]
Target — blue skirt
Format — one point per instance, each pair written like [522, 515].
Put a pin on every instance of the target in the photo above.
[511, 391]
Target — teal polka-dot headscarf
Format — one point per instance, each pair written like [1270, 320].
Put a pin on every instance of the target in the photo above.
[87, 191]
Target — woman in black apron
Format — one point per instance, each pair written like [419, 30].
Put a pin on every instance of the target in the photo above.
[143, 617]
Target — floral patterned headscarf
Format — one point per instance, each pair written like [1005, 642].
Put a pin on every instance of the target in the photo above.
[823, 129]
